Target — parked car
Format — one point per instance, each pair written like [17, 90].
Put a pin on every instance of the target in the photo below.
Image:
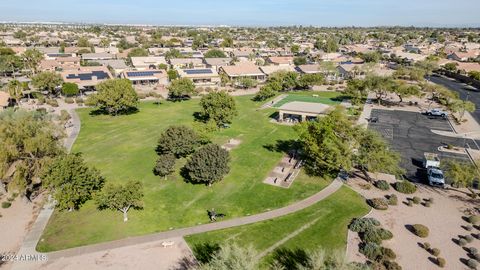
[437, 112]
[435, 177]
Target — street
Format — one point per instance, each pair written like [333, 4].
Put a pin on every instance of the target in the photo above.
[463, 90]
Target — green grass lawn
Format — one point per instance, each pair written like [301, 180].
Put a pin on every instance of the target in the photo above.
[122, 148]
[329, 231]
[325, 97]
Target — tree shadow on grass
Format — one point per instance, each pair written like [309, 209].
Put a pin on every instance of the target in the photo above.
[200, 117]
[283, 146]
[340, 98]
[292, 258]
[204, 252]
[129, 111]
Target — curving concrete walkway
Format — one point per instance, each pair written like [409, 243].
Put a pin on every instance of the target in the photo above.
[324, 193]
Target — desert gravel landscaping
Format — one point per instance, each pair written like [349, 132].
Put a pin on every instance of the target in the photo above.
[444, 218]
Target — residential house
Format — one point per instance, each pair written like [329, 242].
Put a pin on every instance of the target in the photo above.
[281, 60]
[117, 65]
[4, 100]
[146, 77]
[97, 56]
[147, 62]
[201, 76]
[268, 70]
[216, 63]
[464, 56]
[86, 77]
[243, 70]
[179, 63]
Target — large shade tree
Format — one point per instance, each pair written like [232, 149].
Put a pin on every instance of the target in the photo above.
[328, 143]
[27, 141]
[178, 140]
[373, 155]
[208, 165]
[182, 88]
[120, 197]
[47, 81]
[115, 96]
[219, 107]
[71, 181]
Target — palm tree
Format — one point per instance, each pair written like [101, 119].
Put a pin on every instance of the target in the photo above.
[32, 58]
[15, 90]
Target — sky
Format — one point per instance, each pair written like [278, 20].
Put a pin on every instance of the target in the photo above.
[435, 13]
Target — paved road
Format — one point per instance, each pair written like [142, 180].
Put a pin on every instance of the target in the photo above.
[324, 193]
[463, 90]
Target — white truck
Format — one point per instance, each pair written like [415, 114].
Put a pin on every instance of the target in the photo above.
[437, 112]
[430, 160]
[434, 173]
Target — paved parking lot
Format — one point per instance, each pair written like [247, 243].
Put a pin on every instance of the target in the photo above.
[409, 134]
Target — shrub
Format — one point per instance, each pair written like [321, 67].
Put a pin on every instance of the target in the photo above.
[477, 236]
[365, 186]
[473, 250]
[371, 250]
[474, 219]
[416, 200]
[468, 238]
[435, 252]
[410, 203]
[477, 256]
[462, 242]
[441, 262]
[382, 184]
[472, 263]
[426, 245]
[64, 116]
[371, 236]
[430, 200]
[10, 199]
[79, 100]
[389, 265]
[376, 235]
[52, 102]
[469, 228]
[363, 224]
[388, 254]
[141, 95]
[6, 204]
[392, 199]
[41, 100]
[405, 187]
[420, 230]
[69, 100]
[378, 203]
[427, 204]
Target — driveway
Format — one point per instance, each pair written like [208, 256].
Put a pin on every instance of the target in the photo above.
[410, 134]
[462, 89]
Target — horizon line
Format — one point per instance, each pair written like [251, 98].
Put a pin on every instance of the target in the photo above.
[475, 25]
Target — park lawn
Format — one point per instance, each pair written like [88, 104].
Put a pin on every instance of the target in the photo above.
[324, 97]
[122, 148]
[329, 231]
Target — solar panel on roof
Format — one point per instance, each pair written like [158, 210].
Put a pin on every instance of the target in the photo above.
[101, 75]
[198, 71]
[142, 73]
